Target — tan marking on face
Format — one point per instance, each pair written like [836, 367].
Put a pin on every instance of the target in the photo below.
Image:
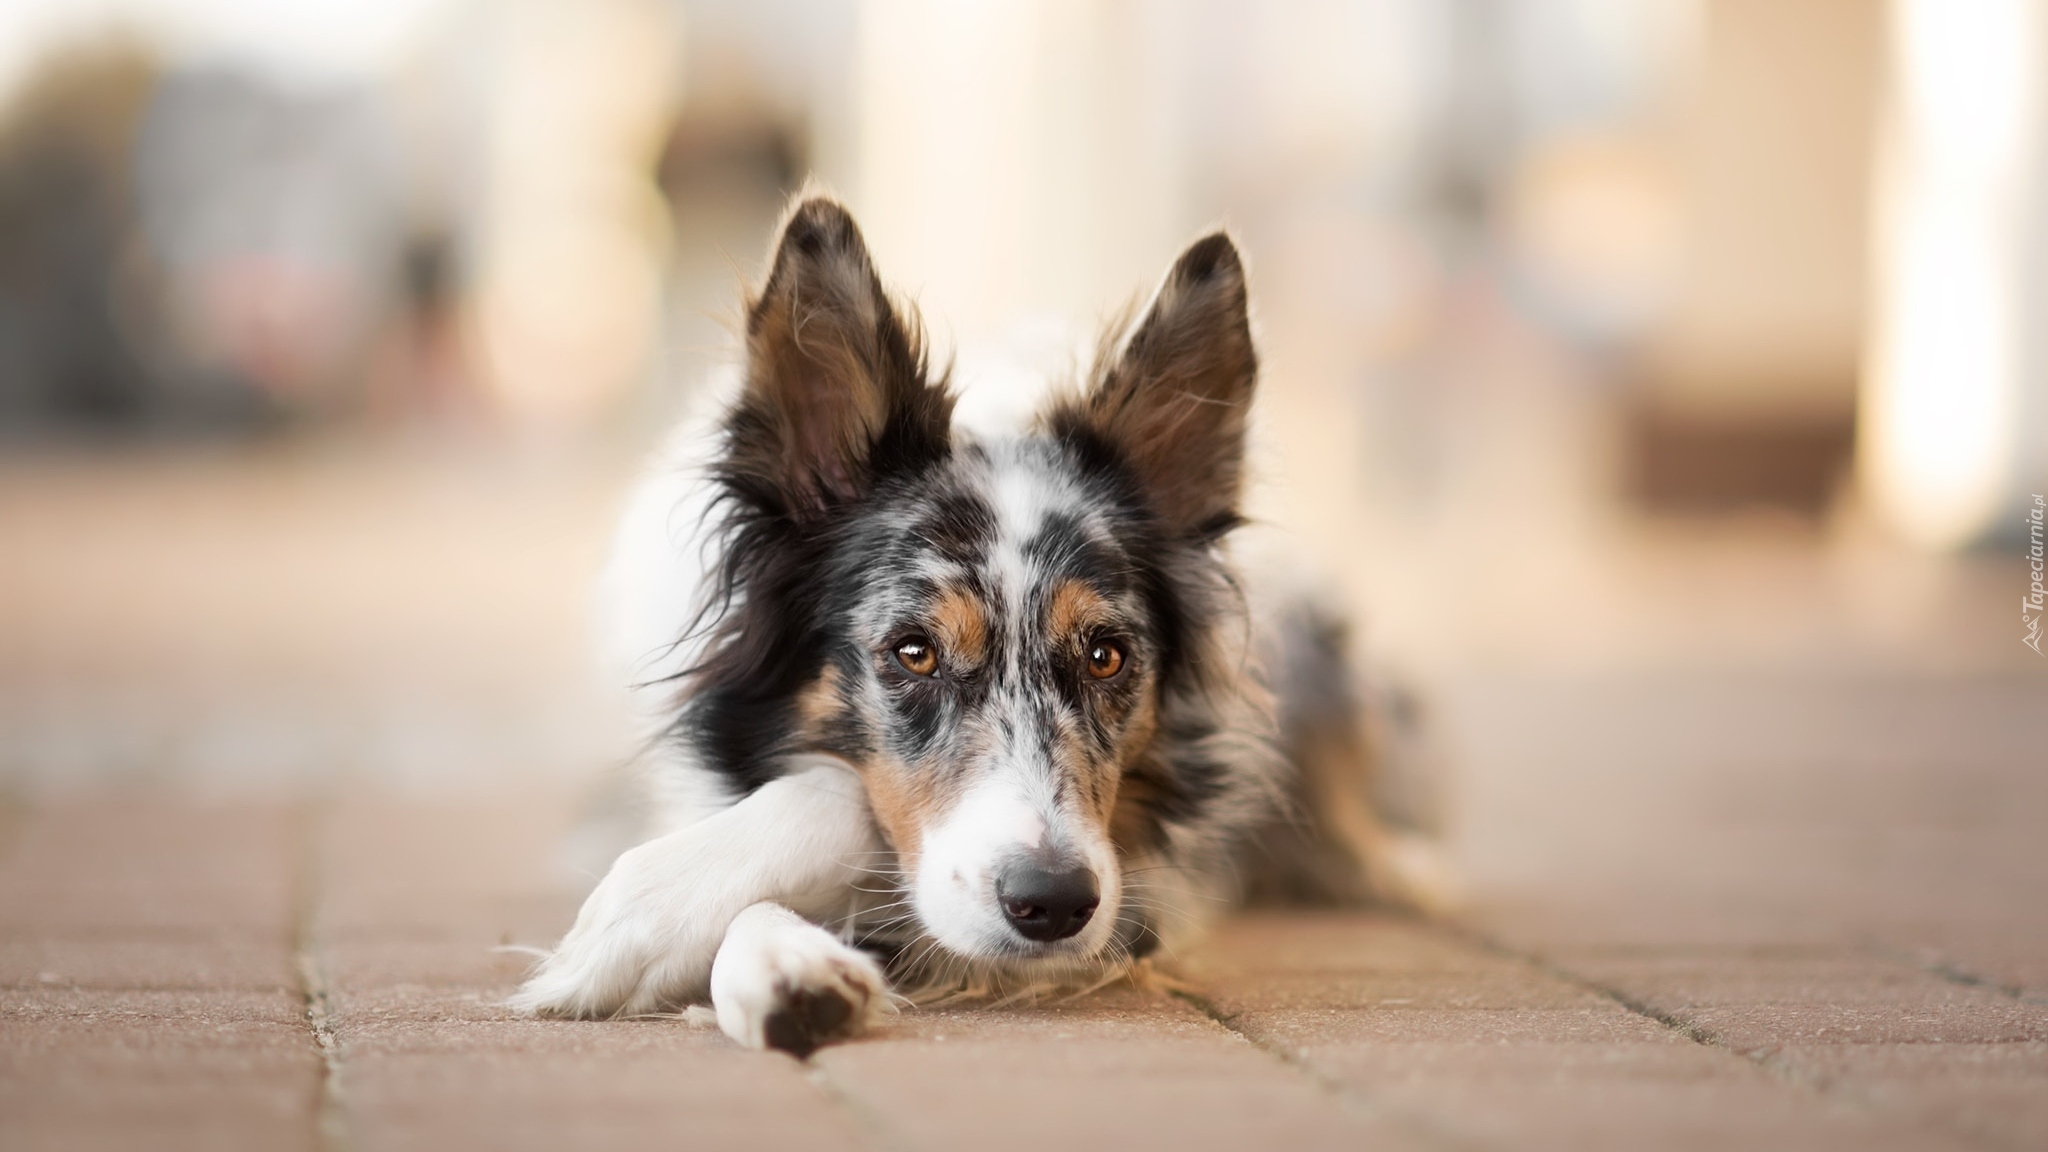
[819, 704]
[1075, 608]
[906, 800]
[1138, 788]
[1144, 722]
[897, 794]
[1132, 825]
[961, 627]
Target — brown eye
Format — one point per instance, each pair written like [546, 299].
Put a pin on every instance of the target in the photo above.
[1105, 659]
[917, 656]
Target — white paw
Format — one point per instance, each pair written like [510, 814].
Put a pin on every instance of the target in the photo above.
[643, 943]
[782, 982]
[645, 939]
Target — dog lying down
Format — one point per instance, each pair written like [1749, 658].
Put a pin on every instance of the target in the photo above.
[969, 709]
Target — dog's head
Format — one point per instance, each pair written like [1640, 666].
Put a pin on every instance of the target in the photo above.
[995, 634]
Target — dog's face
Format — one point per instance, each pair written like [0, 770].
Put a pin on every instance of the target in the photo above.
[984, 630]
[997, 668]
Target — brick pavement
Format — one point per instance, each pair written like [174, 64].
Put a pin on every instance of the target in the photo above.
[1749, 892]
[158, 960]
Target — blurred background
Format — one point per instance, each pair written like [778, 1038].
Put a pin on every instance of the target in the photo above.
[1700, 344]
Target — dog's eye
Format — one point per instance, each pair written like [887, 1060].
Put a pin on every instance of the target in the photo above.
[1105, 659]
[918, 656]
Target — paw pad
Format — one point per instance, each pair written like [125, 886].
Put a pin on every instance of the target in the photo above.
[808, 1018]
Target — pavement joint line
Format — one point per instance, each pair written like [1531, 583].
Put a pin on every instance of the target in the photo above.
[1346, 1096]
[1691, 1030]
[870, 1124]
[330, 1116]
[1764, 1059]
[1934, 964]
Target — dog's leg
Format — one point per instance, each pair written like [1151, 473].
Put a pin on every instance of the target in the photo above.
[781, 981]
[645, 939]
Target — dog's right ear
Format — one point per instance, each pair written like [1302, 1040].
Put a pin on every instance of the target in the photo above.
[836, 389]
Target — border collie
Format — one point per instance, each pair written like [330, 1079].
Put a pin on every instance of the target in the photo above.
[978, 710]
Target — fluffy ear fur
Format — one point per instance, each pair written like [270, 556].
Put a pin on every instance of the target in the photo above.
[836, 390]
[1174, 399]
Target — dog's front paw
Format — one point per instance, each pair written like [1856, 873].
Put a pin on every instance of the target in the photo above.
[591, 976]
[642, 943]
[782, 982]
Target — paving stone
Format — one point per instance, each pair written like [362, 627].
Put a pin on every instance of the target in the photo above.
[1576, 1108]
[471, 960]
[429, 896]
[1302, 1028]
[1312, 941]
[163, 959]
[1995, 1092]
[397, 867]
[132, 865]
[1752, 999]
[415, 897]
[2013, 959]
[1541, 1078]
[1705, 977]
[150, 994]
[52, 1022]
[164, 897]
[1768, 1027]
[118, 1069]
[447, 1070]
[1361, 967]
[1120, 1069]
[1334, 991]
[1323, 962]
[1478, 1048]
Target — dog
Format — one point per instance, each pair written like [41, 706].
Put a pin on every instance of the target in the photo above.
[965, 708]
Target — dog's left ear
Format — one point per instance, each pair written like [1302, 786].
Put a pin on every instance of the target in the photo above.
[1174, 400]
[837, 389]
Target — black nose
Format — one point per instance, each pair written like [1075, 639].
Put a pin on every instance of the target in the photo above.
[1044, 905]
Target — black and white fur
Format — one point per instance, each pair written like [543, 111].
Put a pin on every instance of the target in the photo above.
[899, 657]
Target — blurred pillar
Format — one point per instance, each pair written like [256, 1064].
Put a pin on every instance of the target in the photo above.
[573, 233]
[1954, 430]
[1016, 160]
[1751, 380]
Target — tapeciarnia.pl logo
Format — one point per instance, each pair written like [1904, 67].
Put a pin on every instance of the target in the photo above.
[2036, 599]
